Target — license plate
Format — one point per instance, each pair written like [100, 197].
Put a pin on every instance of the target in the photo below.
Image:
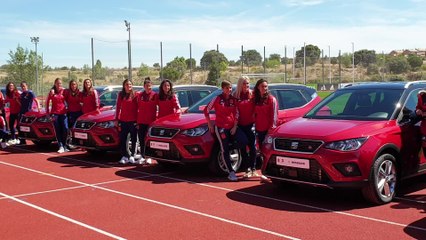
[24, 128]
[80, 135]
[159, 145]
[293, 162]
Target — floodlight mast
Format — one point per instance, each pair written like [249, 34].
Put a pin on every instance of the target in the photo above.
[129, 49]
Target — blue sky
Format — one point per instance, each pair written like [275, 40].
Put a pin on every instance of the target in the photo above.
[66, 27]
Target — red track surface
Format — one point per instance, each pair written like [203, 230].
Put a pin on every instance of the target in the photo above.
[44, 195]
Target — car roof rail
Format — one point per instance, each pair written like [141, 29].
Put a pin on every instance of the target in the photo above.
[408, 84]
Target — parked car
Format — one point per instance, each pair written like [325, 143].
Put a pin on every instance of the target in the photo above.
[363, 136]
[184, 138]
[38, 127]
[96, 132]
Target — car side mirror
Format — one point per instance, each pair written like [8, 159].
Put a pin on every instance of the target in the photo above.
[409, 117]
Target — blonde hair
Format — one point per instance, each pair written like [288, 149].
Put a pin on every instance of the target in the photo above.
[240, 82]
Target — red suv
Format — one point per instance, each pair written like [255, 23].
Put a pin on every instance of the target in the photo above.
[365, 136]
[184, 138]
[38, 127]
[96, 132]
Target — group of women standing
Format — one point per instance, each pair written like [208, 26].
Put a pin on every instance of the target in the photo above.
[235, 116]
[20, 102]
[136, 110]
[64, 106]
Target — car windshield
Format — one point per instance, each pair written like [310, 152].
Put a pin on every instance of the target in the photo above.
[200, 105]
[109, 97]
[358, 104]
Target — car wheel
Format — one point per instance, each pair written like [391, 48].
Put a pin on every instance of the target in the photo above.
[217, 164]
[382, 180]
[42, 143]
[137, 154]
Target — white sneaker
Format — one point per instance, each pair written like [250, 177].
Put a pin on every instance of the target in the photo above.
[124, 160]
[61, 150]
[142, 161]
[11, 142]
[17, 141]
[66, 149]
[148, 161]
[132, 160]
[232, 176]
[4, 145]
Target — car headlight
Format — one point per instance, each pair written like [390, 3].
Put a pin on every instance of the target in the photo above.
[195, 132]
[44, 119]
[107, 124]
[347, 145]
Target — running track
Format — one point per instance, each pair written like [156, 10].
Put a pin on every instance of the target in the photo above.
[44, 195]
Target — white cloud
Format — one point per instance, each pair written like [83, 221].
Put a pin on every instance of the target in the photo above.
[301, 2]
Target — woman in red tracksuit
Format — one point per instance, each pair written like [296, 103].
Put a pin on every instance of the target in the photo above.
[126, 115]
[89, 97]
[58, 113]
[73, 99]
[245, 123]
[168, 103]
[265, 110]
[421, 111]
[13, 97]
[147, 101]
[226, 124]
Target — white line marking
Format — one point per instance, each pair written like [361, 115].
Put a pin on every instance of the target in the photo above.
[153, 201]
[61, 216]
[256, 195]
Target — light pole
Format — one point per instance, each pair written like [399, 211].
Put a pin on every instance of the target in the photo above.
[353, 63]
[129, 49]
[35, 40]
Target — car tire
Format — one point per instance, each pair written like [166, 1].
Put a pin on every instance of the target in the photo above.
[217, 164]
[42, 143]
[382, 181]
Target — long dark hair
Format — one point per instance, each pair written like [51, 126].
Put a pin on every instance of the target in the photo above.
[54, 85]
[166, 95]
[8, 92]
[123, 93]
[257, 97]
[90, 90]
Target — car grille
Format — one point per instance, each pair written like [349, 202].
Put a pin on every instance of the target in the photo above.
[296, 145]
[84, 125]
[172, 154]
[26, 119]
[163, 132]
[315, 173]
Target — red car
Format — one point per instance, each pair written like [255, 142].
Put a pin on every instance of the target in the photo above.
[38, 127]
[96, 132]
[364, 136]
[184, 138]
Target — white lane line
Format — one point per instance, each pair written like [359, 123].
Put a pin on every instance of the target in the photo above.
[62, 216]
[264, 197]
[74, 187]
[154, 201]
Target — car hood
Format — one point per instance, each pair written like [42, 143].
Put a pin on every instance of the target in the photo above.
[182, 121]
[329, 130]
[99, 116]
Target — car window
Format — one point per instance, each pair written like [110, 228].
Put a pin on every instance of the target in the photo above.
[183, 98]
[411, 102]
[359, 104]
[289, 98]
[108, 98]
[199, 106]
[198, 95]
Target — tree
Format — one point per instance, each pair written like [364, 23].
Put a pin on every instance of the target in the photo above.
[414, 61]
[100, 72]
[156, 65]
[273, 63]
[275, 56]
[175, 69]
[190, 62]
[143, 70]
[312, 55]
[252, 58]
[22, 67]
[216, 63]
[365, 57]
[346, 60]
[398, 65]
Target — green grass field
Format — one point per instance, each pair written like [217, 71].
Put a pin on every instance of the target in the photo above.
[323, 94]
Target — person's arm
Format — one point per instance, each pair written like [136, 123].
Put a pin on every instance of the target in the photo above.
[237, 116]
[176, 104]
[47, 103]
[207, 110]
[274, 113]
[118, 107]
[97, 101]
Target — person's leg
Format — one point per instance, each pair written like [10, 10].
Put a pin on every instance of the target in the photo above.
[123, 142]
[58, 131]
[133, 138]
[12, 120]
[21, 140]
[64, 129]
[223, 136]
